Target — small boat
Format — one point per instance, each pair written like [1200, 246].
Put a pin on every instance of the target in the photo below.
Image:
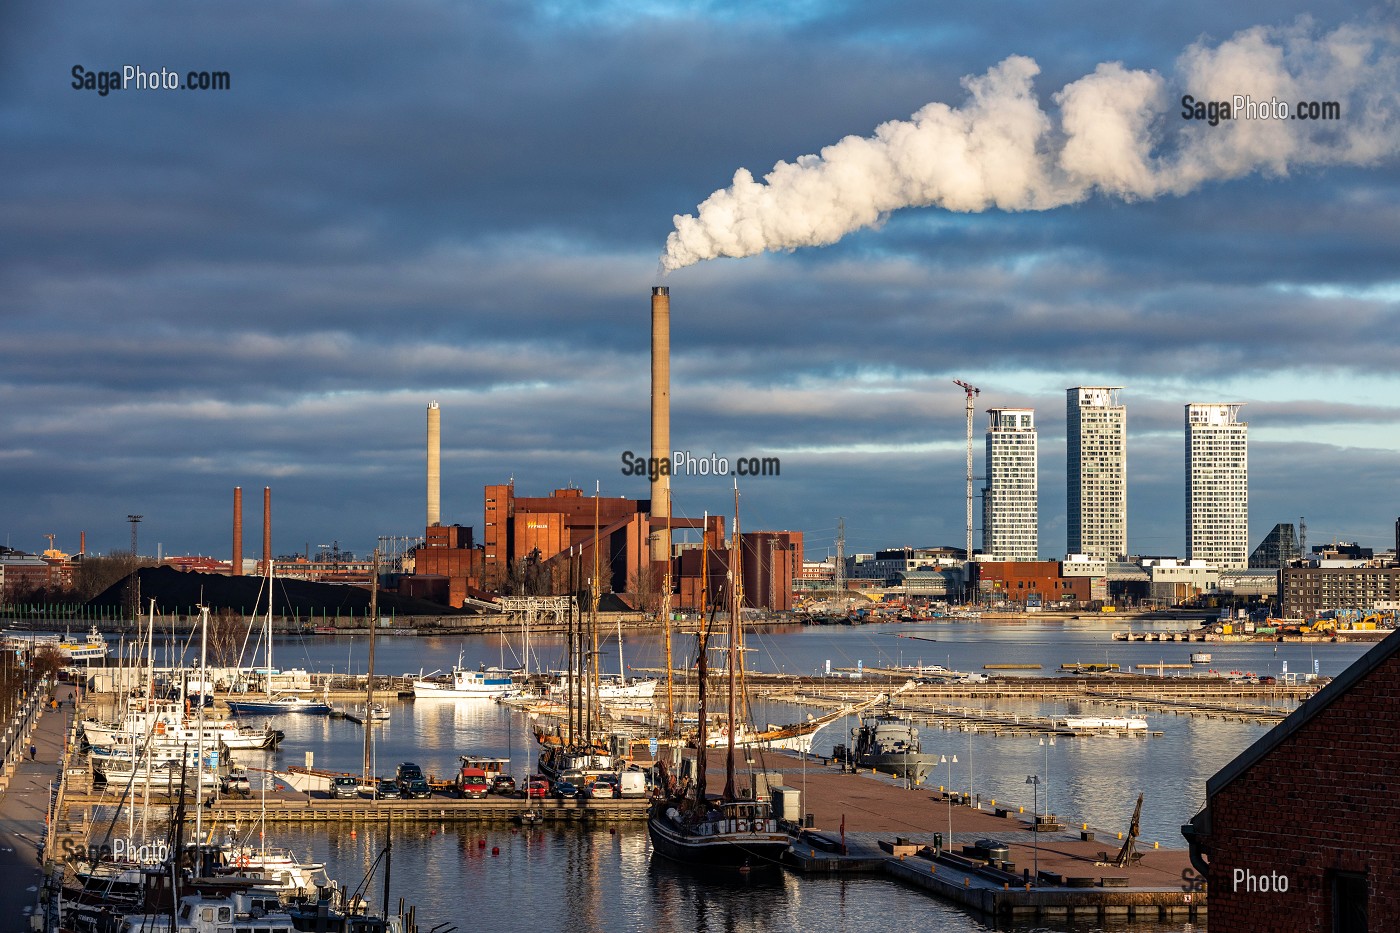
[1093, 723]
[485, 683]
[378, 713]
[1200, 657]
[281, 703]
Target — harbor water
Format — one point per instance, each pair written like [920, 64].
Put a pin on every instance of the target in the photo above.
[505, 878]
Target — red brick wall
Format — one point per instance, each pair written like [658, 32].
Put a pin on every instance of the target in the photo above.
[1327, 799]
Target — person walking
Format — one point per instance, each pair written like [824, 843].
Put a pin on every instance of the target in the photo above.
[33, 752]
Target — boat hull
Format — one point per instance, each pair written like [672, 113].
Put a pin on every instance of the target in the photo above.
[273, 708]
[736, 851]
[914, 766]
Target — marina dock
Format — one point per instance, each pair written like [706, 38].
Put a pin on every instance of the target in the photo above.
[1051, 874]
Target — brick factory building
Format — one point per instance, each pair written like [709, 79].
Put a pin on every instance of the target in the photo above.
[1297, 834]
[552, 526]
[447, 568]
[518, 526]
[1031, 581]
[770, 562]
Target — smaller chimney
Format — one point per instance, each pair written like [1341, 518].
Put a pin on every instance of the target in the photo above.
[267, 530]
[434, 463]
[237, 531]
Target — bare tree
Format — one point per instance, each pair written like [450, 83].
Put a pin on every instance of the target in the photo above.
[48, 661]
[93, 575]
[227, 631]
[645, 586]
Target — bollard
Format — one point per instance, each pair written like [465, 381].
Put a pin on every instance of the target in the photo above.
[1156, 845]
[1120, 835]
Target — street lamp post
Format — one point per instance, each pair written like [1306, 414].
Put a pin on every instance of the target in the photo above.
[948, 795]
[1034, 780]
[1048, 742]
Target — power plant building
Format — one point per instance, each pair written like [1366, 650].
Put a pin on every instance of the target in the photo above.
[1010, 504]
[1096, 472]
[1217, 485]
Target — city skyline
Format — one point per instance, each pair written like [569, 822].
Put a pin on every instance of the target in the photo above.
[266, 285]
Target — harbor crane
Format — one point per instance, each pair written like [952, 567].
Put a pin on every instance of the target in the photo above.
[972, 393]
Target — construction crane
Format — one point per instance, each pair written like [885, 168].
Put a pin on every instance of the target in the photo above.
[972, 393]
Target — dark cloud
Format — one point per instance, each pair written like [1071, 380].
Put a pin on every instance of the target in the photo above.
[466, 203]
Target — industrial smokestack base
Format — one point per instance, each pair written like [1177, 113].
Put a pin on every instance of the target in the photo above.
[434, 464]
[267, 530]
[660, 420]
[237, 561]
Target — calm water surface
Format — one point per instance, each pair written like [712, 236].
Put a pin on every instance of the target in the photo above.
[599, 880]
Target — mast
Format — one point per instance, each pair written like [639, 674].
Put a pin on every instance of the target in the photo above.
[594, 700]
[267, 677]
[369, 677]
[666, 622]
[199, 729]
[702, 675]
[734, 607]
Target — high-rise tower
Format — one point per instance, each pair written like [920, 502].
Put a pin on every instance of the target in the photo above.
[1217, 485]
[1096, 472]
[1010, 512]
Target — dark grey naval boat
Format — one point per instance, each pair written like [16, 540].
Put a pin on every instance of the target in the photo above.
[888, 744]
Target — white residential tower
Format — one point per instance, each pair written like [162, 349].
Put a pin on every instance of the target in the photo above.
[1217, 485]
[1010, 512]
[1096, 472]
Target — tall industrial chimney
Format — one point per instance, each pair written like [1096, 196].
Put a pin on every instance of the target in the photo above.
[267, 530]
[82, 541]
[434, 464]
[237, 531]
[660, 420]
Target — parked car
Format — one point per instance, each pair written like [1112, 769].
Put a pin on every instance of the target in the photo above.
[472, 784]
[604, 785]
[565, 790]
[416, 789]
[387, 790]
[503, 784]
[407, 772]
[537, 786]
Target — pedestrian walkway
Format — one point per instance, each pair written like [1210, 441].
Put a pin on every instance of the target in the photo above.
[24, 807]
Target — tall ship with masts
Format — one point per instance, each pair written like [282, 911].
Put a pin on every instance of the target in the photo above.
[727, 831]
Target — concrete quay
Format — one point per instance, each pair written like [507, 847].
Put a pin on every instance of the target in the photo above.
[1049, 874]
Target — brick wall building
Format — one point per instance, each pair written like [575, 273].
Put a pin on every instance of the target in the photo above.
[1022, 581]
[447, 568]
[1298, 832]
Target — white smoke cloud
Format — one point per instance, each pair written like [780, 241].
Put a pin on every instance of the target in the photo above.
[1119, 133]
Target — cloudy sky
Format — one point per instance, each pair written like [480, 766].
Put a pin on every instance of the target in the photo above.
[469, 203]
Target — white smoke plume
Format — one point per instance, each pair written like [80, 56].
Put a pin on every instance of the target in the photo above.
[1119, 133]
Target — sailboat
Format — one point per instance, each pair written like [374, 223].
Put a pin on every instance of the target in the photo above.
[727, 832]
[272, 704]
